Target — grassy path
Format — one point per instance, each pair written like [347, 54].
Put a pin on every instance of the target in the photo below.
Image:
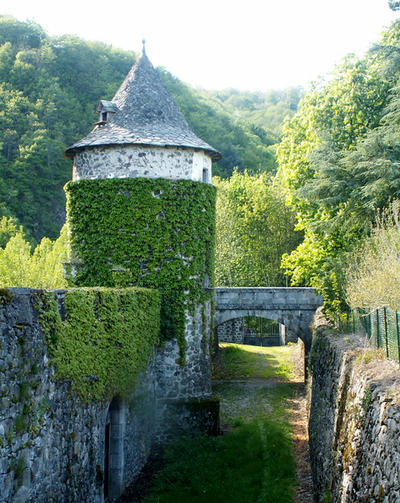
[262, 411]
[255, 383]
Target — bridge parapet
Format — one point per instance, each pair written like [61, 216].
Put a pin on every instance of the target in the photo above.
[267, 298]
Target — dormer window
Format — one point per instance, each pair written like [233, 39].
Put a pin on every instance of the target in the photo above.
[104, 109]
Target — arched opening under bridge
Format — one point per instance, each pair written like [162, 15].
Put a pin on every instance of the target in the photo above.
[293, 307]
[254, 331]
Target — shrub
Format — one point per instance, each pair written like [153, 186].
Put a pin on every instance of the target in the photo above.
[373, 278]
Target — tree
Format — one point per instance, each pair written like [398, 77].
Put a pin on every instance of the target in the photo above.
[15, 261]
[47, 269]
[9, 227]
[254, 229]
[339, 160]
[373, 275]
[19, 267]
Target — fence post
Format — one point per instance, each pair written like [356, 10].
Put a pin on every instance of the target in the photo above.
[398, 335]
[377, 330]
[386, 332]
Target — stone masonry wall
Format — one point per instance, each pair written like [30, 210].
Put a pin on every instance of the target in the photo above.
[354, 421]
[132, 161]
[52, 444]
[179, 387]
[193, 380]
[231, 331]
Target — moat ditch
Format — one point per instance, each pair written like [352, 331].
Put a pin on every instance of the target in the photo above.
[262, 454]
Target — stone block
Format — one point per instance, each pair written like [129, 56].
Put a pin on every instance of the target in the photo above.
[23, 309]
[22, 495]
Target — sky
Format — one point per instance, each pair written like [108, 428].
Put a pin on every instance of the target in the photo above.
[216, 44]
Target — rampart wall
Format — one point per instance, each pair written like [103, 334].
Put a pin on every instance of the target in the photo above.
[59, 447]
[354, 421]
[231, 331]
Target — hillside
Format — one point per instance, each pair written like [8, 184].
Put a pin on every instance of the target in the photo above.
[49, 87]
[265, 111]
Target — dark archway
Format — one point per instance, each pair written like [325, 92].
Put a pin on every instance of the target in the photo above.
[254, 330]
[293, 307]
[114, 459]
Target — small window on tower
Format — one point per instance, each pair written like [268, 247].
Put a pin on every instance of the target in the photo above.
[205, 176]
[104, 109]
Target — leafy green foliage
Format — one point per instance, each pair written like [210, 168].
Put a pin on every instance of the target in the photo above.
[9, 227]
[373, 276]
[265, 111]
[339, 161]
[316, 262]
[15, 262]
[342, 110]
[47, 262]
[254, 229]
[159, 234]
[106, 339]
[19, 267]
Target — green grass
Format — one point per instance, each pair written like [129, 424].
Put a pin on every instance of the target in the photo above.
[251, 465]
[242, 361]
[254, 462]
[271, 366]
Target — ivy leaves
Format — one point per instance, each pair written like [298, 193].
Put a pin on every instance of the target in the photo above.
[149, 233]
[106, 339]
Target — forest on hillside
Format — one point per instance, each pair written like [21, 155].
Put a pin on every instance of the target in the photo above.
[309, 183]
[49, 88]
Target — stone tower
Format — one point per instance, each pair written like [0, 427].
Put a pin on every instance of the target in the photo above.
[141, 210]
[142, 133]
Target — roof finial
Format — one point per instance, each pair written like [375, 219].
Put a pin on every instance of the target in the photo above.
[144, 47]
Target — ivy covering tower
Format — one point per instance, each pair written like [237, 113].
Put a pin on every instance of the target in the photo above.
[141, 207]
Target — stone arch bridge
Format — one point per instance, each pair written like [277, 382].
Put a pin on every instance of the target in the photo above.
[293, 307]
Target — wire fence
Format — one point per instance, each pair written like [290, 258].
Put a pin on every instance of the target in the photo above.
[382, 327]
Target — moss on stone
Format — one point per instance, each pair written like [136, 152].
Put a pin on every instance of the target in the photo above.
[6, 296]
[106, 339]
[367, 398]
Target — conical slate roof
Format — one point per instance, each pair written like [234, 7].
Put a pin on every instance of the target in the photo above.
[144, 114]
